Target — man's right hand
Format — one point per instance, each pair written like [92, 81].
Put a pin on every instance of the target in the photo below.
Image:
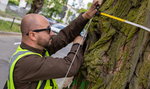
[78, 39]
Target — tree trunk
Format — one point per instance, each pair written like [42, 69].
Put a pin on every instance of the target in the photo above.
[117, 55]
[36, 6]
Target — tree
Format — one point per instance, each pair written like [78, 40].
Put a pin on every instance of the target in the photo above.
[28, 2]
[36, 6]
[117, 55]
[54, 7]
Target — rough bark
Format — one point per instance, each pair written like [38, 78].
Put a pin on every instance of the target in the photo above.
[36, 6]
[117, 54]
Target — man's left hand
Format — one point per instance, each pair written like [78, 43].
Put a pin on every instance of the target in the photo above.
[92, 10]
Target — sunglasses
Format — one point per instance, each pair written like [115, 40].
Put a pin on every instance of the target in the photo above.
[39, 30]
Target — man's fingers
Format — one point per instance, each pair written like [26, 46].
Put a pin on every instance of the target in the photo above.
[78, 39]
[95, 2]
[92, 10]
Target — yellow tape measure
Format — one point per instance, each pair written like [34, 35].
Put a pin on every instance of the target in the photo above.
[126, 21]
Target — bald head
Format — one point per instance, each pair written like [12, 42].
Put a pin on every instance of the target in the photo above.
[33, 21]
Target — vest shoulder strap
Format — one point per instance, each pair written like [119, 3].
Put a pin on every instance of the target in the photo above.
[14, 59]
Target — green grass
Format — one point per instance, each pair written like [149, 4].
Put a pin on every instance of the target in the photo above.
[6, 26]
[15, 2]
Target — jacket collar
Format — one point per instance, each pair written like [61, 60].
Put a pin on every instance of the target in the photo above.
[25, 46]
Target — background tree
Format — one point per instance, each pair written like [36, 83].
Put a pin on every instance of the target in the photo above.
[54, 7]
[117, 55]
[36, 6]
[28, 2]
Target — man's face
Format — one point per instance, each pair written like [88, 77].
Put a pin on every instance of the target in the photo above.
[44, 38]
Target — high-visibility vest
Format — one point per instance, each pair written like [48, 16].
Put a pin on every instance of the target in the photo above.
[48, 84]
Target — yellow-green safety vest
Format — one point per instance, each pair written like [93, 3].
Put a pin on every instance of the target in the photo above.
[14, 59]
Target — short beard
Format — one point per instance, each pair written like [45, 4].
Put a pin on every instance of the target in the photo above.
[43, 43]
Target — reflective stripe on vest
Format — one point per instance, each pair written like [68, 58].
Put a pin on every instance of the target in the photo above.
[14, 59]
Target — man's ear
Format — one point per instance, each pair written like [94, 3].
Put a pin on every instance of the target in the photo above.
[32, 36]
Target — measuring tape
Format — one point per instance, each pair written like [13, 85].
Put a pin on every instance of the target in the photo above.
[125, 21]
[121, 20]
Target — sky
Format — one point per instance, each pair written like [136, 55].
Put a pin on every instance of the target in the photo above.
[87, 1]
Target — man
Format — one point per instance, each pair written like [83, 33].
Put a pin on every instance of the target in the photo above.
[31, 66]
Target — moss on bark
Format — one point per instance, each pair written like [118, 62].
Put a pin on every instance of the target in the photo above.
[117, 55]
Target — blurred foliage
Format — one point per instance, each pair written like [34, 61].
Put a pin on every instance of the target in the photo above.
[53, 7]
[69, 13]
[59, 20]
[29, 1]
[89, 4]
[14, 2]
[82, 10]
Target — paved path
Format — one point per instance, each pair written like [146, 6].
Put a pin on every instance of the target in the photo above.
[7, 47]
[10, 20]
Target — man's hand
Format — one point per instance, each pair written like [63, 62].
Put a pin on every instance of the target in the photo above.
[92, 10]
[78, 39]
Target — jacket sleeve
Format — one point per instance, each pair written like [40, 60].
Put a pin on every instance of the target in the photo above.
[33, 67]
[67, 35]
